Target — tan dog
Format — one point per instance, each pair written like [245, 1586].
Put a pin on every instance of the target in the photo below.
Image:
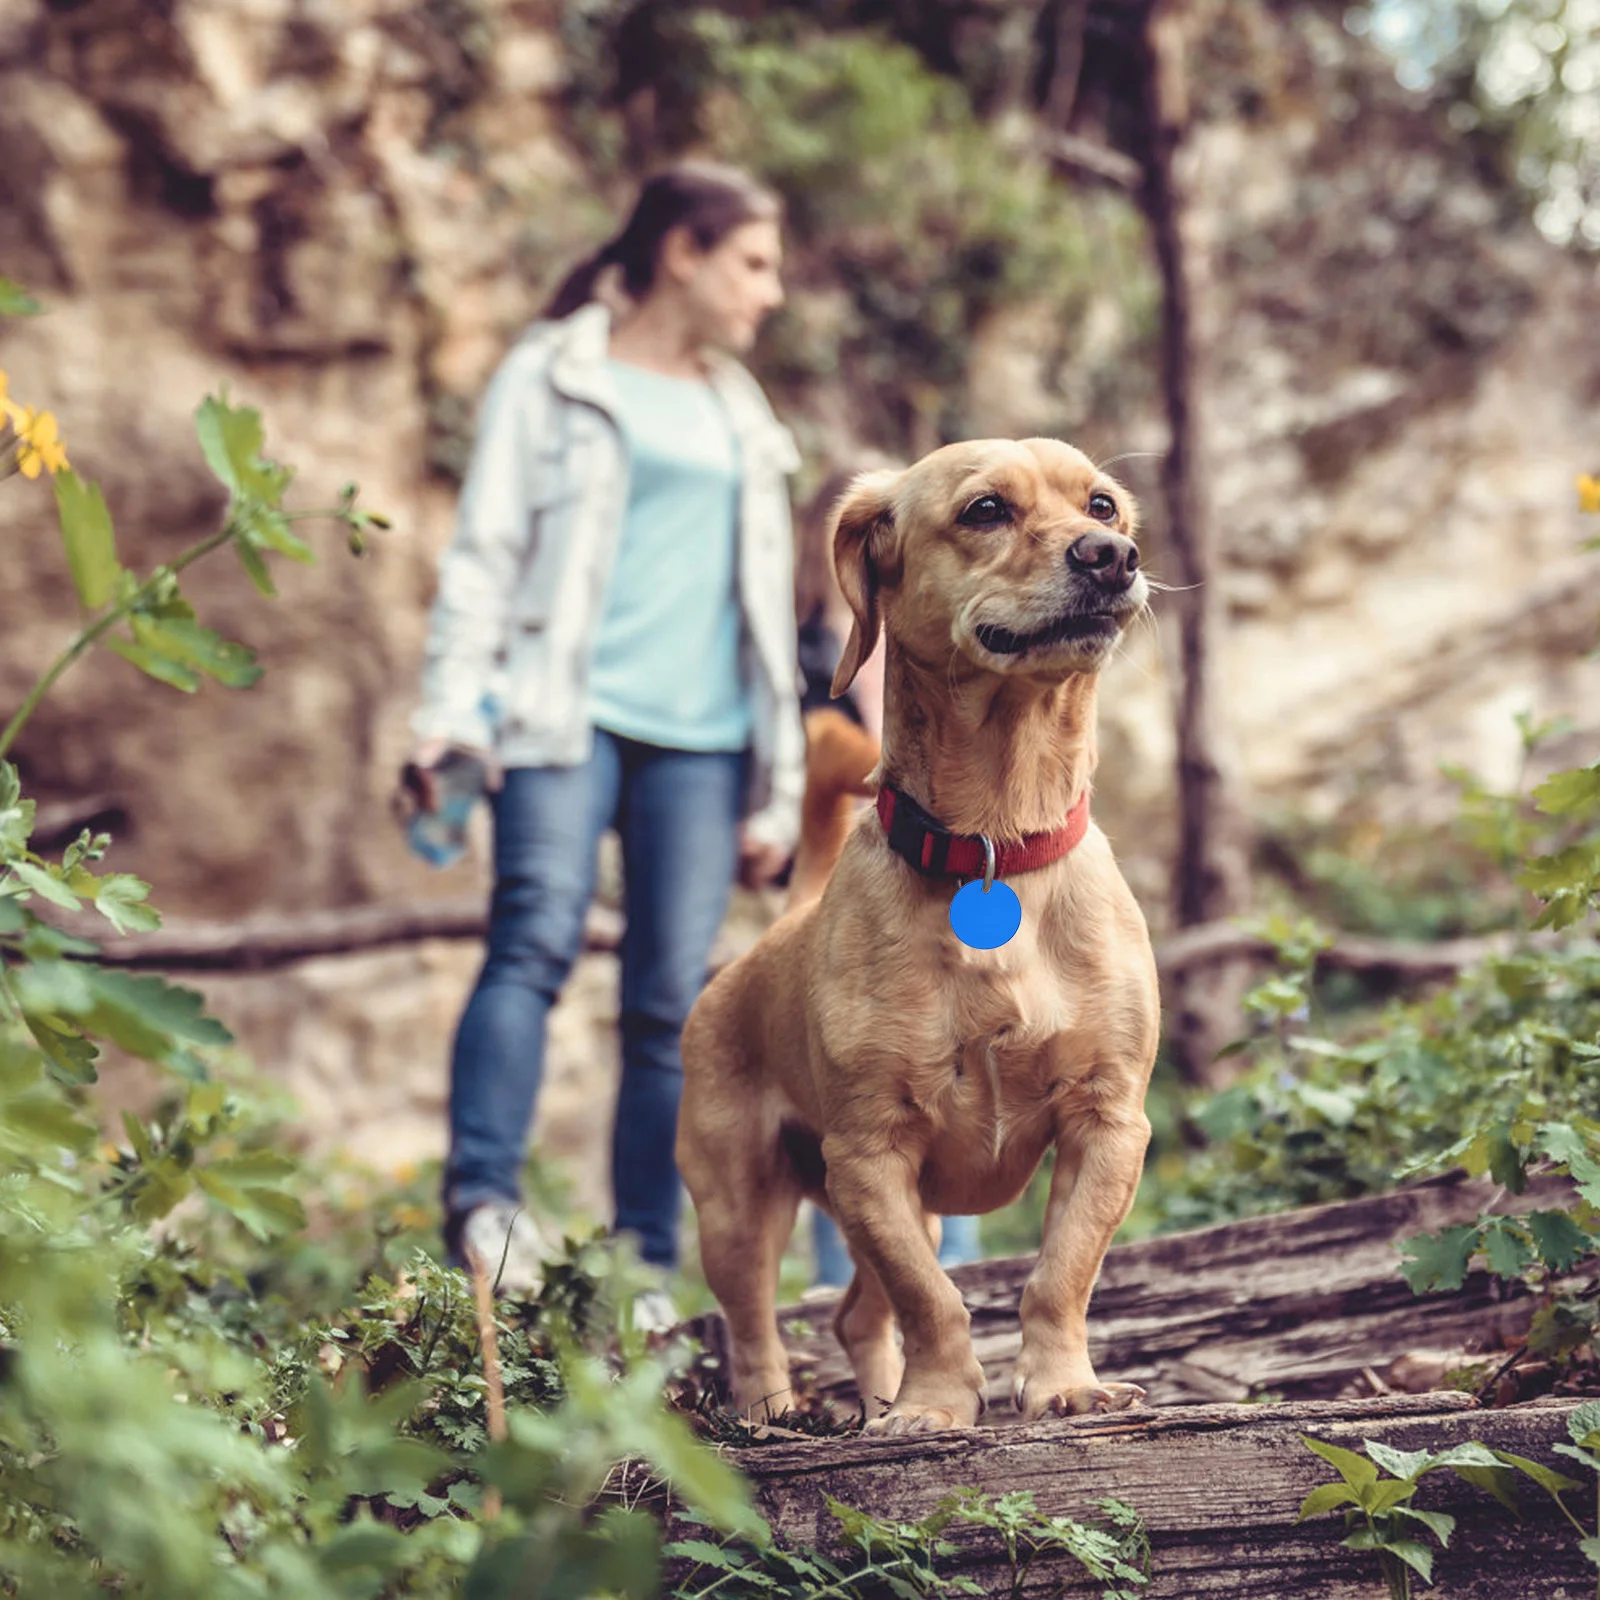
[840, 758]
[863, 1056]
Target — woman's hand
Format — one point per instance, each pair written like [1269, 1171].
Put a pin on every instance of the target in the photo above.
[419, 782]
[759, 861]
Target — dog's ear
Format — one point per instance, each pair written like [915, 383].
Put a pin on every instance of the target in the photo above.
[865, 542]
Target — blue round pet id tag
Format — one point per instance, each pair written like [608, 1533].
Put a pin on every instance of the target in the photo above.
[984, 916]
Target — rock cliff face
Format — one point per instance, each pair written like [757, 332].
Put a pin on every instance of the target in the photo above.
[345, 210]
[1402, 390]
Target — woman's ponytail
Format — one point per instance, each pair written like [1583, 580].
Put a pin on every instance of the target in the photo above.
[578, 287]
[707, 199]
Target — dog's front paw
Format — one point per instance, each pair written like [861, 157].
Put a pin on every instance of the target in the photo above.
[912, 1418]
[1036, 1392]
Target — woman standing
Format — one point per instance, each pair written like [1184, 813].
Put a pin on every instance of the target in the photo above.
[615, 631]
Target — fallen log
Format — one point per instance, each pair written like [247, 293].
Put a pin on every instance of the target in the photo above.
[1300, 1304]
[1219, 1488]
[278, 939]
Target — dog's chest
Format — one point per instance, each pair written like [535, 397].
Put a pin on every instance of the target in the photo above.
[1003, 1029]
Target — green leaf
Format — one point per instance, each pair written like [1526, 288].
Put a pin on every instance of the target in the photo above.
[1405, 1464]
[87, 534]
[269, 529]
[1577, 1453]
[1324, 1498]
[46, 885]
[1561, 1141]
[121, 900]
[156, 665]
[138, 1137]
[1441, 1524]
[1438, 1260]
[1468, 1454]
[1416, 1555]
[1568, 793]
[1386, 1494]
[1356, 1470]
[706, 1554]
[1496, 1480]
[1337, 1106]
[231, 440]
[1546, 1477]
[1505, 1159]
[16, 815]
[72, 1055]
[255, 567]
[162, 1185]
[1591, 1550]
[184, 641]
[1559, 1240]
[256, 1167]
[1559, 1327]
[15, 301]
[1505, 1249]
[1583, 1425]
[177, 1012]
[362, 1545]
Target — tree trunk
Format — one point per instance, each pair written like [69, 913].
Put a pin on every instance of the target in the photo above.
[1211, 876]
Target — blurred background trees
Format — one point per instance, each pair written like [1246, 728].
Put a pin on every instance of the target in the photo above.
[1384, 218]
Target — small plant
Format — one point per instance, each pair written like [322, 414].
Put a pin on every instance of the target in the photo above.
[902, 1558]
[1583, 1425]
[1381, 1516]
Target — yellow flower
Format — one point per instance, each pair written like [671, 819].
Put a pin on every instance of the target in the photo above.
[41, 447]
[1589, 492]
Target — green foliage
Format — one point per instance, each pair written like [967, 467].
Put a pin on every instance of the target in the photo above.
[1325, 1112]
[911, 218]
[1567, 880]
[903, 1558]
[169, 1425]
[1380, 1514]
[1495, 1073]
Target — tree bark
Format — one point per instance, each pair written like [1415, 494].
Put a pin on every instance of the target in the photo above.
[1211, 872]
[1307, 1304]
[1219, 1488]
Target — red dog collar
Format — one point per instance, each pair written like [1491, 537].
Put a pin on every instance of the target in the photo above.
[937, 852]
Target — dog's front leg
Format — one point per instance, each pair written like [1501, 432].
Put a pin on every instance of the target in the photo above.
[1098, 1163]
[874, 1195]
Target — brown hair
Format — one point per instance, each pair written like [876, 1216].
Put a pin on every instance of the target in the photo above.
[814, 582]
[708, 199]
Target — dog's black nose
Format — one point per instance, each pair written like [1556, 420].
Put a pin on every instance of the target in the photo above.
[1110, 559]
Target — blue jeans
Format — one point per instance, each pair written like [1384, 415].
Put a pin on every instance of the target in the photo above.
[958, 1243]
[677, 812]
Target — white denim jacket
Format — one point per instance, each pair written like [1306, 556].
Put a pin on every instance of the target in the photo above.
[522, 584]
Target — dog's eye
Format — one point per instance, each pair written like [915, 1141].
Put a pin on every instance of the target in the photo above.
[985, 511]
[1102, 507]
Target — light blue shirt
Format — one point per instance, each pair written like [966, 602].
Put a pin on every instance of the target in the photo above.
[666, 666]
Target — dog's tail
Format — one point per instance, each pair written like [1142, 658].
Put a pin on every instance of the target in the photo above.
[840, 758]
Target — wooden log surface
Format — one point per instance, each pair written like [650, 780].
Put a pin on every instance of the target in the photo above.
[1300, 1303]
[1219, 1488]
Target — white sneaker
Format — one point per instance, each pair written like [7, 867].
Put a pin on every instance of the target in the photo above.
[654, 1311]
[502, 1230]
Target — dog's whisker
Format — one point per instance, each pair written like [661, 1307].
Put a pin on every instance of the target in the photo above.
[1127, 455]
[1147, 668]
[1162, 587]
